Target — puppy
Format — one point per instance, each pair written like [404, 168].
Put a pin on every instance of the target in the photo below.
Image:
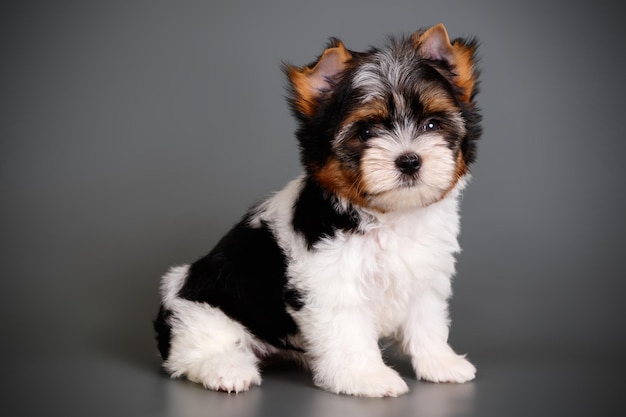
[359, 247]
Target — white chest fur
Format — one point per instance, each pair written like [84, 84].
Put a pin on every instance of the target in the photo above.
[378, 270]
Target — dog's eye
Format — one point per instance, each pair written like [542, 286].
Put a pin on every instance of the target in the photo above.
[430, 125]
[365, 132]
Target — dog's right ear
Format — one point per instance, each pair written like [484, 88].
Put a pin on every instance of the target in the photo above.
[309, 83]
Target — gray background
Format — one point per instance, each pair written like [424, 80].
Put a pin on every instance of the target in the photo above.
[134, 134]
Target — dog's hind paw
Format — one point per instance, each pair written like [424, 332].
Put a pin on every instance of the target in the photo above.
[228, 372]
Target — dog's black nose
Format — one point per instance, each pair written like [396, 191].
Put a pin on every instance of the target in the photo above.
[409, 163]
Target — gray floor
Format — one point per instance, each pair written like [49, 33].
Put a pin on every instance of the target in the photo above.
[97, 384]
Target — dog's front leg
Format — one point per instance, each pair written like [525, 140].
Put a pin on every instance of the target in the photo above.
[343, 352]
[425, 339]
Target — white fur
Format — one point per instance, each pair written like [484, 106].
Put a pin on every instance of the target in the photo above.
[392, 279]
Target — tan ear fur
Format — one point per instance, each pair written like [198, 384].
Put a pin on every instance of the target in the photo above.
[435, 44]
[310, 82]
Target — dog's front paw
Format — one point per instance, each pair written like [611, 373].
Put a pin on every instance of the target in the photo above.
[379, 382]
[448, 367]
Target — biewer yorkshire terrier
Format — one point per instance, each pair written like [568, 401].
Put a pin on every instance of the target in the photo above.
[358, 248]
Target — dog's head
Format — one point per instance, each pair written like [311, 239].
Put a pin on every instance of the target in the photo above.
[393, 127]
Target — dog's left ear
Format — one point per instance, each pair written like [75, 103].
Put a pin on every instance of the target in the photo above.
[434, 44]
[311, 82]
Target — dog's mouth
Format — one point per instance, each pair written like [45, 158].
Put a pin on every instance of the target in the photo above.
[406, 193]
[409, 181]
[404, 183]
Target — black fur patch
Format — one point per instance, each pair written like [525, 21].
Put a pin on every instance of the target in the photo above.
[244, 276]
[474, 131]
[163, 331]
[293, 298]
[316, 217]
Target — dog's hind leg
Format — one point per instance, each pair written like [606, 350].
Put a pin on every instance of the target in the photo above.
[202, 343]
[211, 349]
